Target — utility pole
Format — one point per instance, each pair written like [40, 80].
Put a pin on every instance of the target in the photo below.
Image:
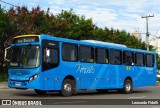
[147, 33]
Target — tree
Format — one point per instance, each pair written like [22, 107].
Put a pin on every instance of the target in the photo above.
[5, 28]
[27, 22]
[158, 61]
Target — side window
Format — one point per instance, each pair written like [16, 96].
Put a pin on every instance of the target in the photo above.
[86, 54]
[101, 55]
[149, 60]
[115, 56]
[69, 52]
[128, 58]
[139, 59]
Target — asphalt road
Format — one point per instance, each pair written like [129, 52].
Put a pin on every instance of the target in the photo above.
[139, 93]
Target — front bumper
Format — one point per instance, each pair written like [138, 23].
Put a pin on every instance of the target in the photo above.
[24, 84]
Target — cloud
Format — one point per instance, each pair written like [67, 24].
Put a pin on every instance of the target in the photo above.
[56, 2]
[32, 4]
[99, 14]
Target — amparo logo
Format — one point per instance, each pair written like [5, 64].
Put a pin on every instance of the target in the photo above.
[85, 70]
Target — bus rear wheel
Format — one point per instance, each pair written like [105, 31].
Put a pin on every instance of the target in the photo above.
[128, 87]
[40, 92]
[67, 88]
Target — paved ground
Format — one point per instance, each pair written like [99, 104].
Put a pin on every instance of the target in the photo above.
[152, 92]
[139, 93]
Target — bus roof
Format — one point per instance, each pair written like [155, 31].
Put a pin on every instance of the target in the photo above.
[96, 43]
[104, 43]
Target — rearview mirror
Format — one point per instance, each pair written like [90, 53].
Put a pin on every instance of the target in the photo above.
[7, 54]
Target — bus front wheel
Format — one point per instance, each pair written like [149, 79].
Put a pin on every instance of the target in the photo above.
[67, 88]
[40, 92]
[128, 87]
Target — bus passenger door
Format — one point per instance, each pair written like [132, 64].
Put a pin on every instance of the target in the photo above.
[50, 62]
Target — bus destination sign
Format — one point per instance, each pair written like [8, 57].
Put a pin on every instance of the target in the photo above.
[25, 39]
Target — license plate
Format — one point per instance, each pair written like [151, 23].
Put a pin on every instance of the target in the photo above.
[17, 83]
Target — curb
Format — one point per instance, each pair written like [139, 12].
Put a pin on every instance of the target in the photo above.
[158, 84]
[3, 85]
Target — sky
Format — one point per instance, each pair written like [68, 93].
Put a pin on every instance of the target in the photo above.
[116, 14]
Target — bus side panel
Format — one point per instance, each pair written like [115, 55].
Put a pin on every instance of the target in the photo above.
[49, 84]
[137, 73]
[48, 79]
[126, 71]
[144, 76]
[116, 74]
[100, 83]
[90, 75]
[100, 79]
[150, 76]
[84, 72]
[85, 82]
[52, 81]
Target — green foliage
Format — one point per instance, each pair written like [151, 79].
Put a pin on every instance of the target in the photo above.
[3, 77]
[158, 79]
[3, 22]
[5, 29]
[158, 62]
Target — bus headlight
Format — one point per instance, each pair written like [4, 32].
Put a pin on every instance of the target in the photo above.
[30, 79]
[33, 77]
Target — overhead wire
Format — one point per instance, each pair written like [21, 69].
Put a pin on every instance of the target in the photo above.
[8, 3]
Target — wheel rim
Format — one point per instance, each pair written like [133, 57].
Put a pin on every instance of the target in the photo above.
[128, 87]
[67, 87]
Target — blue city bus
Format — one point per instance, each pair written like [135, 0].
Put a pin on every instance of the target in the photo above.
[46, 63]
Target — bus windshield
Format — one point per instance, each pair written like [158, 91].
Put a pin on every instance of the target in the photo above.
[25, 56]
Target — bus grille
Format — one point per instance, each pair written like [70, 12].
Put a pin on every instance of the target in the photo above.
[19, 72]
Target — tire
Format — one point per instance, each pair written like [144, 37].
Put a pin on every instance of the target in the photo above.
[128, 87]
[67, 88]
[40, 92]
